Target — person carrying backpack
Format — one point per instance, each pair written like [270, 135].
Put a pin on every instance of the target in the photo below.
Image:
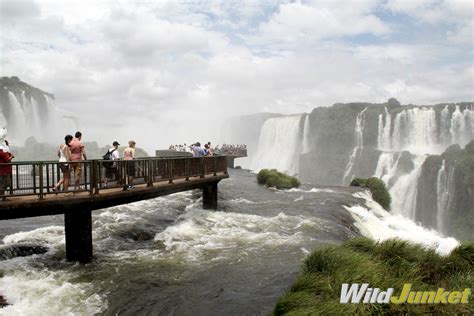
[111, 170]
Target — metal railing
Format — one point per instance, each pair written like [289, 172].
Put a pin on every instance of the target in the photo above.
[40, 177]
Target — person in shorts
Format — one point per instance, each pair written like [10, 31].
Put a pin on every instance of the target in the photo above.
[64, 157]
[111, 170]
[78, 154]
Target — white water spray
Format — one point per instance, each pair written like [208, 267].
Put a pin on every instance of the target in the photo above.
[359, 141]
[444, 192]
[376, 223]
[279, 145]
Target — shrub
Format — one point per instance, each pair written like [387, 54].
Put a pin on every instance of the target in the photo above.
[377, 188]
[279, 180]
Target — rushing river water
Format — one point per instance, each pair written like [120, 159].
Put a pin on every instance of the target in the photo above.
[169, 256]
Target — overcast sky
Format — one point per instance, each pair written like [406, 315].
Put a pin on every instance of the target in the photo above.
[172, 69]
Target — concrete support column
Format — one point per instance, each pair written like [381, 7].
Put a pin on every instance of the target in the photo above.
[230, 162]
[209, 196]
[78, 229]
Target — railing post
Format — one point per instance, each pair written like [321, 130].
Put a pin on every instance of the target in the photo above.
[187, 167]
[150, 172]
[225, 165]
[202, 171]
[41, 194]
[215, 166]
[97, 176]
[91, 177]
[170, 170]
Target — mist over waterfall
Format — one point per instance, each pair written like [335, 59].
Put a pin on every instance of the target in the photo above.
[28, 111]
[279, 145]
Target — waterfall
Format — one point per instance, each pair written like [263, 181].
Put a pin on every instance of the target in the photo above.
[404, 190]
[279, 145]
[17, 123]
[359, 141]
[445, 126]
[384, 141]
[306, 148]
[416, 130]
[34, 116]
[444, 192]
[387, 166]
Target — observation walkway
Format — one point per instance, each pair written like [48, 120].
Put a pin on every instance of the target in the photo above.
[32, 193]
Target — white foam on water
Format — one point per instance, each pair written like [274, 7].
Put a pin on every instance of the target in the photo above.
[313, 190]
[48, 292]
[376, 223]
[31, 288]
[199, 233]
[53, 236]
[242, 200]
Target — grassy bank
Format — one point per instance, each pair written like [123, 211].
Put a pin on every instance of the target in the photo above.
[384, 265]
[277, 179]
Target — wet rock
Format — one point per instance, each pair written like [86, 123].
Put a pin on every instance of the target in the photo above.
[21, 250]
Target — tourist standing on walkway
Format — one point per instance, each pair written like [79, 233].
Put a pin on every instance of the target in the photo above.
[78, 154]
[111, 167]
[64, 155]
[197, 150]
[5, 170]
[129, 156]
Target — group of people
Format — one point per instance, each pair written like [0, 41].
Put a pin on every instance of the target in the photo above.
[72, 152]
[195, 149]
[232, 150]
[208, 150]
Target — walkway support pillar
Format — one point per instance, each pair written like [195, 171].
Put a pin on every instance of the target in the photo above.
[209, 196]
[230, 162]
[78, 229]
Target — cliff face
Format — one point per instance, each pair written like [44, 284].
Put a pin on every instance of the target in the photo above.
[333, 140]
[22, 91]
[447, 202]
[28, 111]
[332, 145]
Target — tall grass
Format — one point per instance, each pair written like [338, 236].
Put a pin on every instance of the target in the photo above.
[391, 263]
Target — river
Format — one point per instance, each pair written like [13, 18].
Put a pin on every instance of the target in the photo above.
[169, 256]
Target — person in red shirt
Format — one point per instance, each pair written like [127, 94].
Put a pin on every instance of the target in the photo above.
[78, 154]
[5, 170]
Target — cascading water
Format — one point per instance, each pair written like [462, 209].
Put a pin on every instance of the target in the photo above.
[28, 115]
[384, 140]
[444, 188]
[416, 130]
[387, 166]
[404, 189]
[17, 118]
[279, 145]
[359, 141]
[306, 136]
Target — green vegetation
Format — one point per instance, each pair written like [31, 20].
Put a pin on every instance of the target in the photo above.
[389, 264]
[277, 179]
[377, 188]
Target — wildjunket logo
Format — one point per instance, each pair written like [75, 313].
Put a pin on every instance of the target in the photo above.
[367, 295]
